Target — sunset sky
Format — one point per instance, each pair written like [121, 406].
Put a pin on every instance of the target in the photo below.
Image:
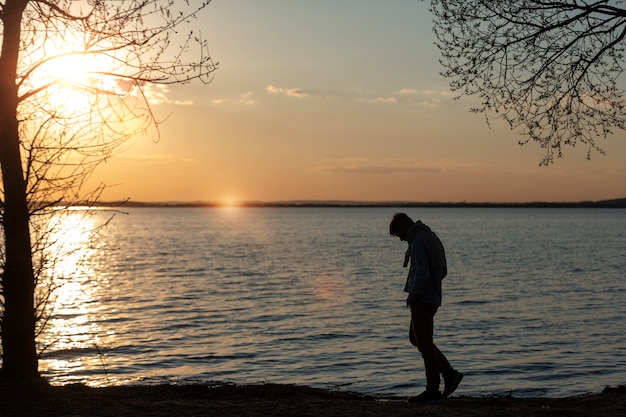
[339, 100]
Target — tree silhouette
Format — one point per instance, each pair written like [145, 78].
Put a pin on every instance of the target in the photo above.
[76, 81]
[548, 68]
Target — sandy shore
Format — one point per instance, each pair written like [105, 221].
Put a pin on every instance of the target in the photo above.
[281, 400]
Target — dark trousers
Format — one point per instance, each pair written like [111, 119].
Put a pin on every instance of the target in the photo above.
[421, 336]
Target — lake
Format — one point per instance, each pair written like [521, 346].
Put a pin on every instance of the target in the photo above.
[534, 301]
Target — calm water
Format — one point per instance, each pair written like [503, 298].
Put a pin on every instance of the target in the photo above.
[534, 303]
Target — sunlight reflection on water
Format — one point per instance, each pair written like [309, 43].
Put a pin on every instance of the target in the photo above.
[71, 333]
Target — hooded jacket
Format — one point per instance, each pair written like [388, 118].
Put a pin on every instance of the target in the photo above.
[428, 265]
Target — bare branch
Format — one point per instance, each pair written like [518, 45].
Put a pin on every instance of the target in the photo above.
[74, 87]
[548, 68]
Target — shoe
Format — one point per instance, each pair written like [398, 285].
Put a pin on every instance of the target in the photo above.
[452, 381]
[427, 397]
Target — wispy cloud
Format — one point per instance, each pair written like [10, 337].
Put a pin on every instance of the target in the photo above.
[382, 100]
[158, 94]
[379, 167]
[423, 98]
[433, 103]
[289, 92]
[154, 158]
[245, 99]
[412, 91]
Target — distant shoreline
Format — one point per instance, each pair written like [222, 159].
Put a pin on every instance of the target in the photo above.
[614, 203]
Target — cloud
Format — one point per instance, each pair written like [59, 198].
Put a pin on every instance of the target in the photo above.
[434, 103]
[383, 100]
[158, 94]
[154, 158]
[245, 99]
[289, 92]
[440, 93]
[384, 167]
[422, 98]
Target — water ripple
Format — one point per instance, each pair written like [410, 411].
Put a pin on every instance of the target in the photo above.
[533, 303]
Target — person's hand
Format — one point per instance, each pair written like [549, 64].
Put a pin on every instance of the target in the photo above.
[411, 299]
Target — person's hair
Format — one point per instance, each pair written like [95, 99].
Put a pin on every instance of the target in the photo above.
[399, 221]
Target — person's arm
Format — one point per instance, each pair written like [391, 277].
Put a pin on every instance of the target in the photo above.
[420, 271]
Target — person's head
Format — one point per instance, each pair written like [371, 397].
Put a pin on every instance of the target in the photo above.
[400, 225]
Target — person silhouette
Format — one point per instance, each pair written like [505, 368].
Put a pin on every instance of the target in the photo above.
[428, 267]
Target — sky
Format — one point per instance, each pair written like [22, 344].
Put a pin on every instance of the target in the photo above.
[339, 100]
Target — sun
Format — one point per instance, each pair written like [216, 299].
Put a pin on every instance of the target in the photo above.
[77, 93]
[65, 81]
[72, 76]
[71, 70]
[229, 202]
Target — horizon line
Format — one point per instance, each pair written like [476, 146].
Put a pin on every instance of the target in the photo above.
[610, 203]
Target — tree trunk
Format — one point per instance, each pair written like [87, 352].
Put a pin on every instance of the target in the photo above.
[19, 363]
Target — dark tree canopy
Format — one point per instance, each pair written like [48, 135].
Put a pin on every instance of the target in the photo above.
[549, 68]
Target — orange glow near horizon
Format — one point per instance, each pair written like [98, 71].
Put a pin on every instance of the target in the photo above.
[229, 203]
